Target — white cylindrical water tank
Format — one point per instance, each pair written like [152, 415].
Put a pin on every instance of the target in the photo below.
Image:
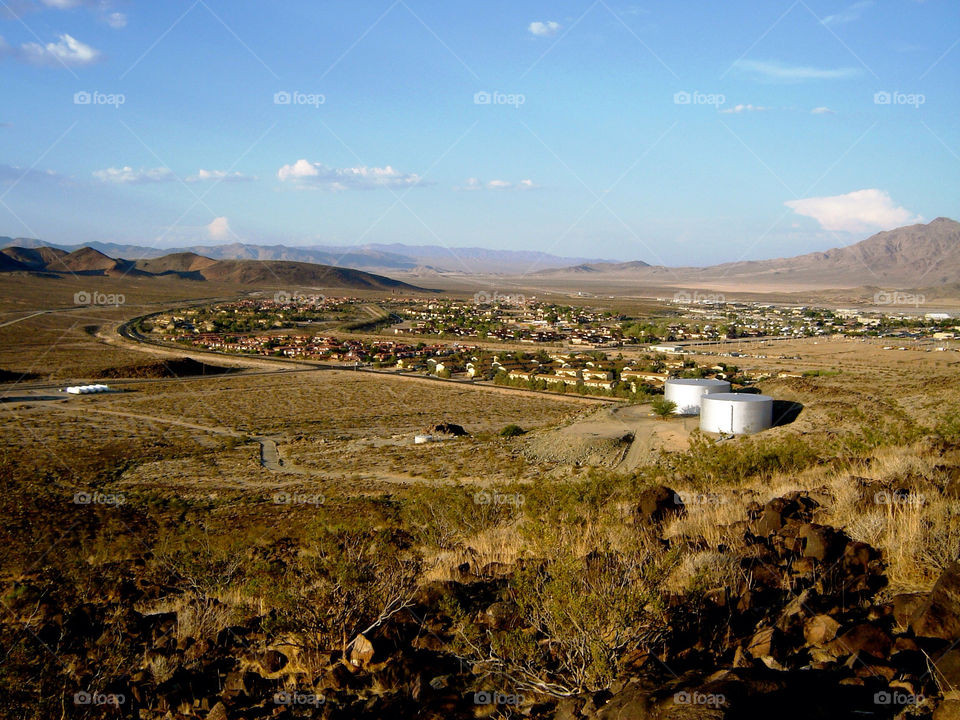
[686, 393]
[735, 413]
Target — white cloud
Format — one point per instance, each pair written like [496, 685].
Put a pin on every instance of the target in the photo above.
[219, 229]
[475, 184]
[737, 109]
[823, 110]
[62, 4]
[773, 70]
[314, 174]
[116, 20]
[858, 211]
[219, 175]
[126, 175]
[67, 51]
[848, 14]
[544, 29]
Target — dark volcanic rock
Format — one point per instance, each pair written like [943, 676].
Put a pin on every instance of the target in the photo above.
[905, 606]
[821, 542]
[939, 615]
[449, 429]
[656, 504]
[863, 638]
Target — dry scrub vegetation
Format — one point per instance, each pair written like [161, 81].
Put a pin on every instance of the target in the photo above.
[461, 560]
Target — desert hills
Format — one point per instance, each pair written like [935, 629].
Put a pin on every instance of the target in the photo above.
[87, 261]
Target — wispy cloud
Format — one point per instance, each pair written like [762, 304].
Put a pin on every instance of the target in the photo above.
[305, 173]
[849, 14]
[544, 29]
[13, 174]
[67, 51]
[126, 175]
[221, 175]
[858, 211]
[116, 20]
[476, 184]
[777, 71]
[823, 110]
[737, 109]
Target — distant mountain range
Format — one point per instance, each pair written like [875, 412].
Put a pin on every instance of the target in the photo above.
[87, 261]
[916, 256]
[419, 259]
[908, 257]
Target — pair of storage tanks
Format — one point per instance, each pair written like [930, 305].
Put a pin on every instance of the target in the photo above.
[720, 410]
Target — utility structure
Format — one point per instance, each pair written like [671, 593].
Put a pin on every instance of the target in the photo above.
[686, 393]
[736, 413]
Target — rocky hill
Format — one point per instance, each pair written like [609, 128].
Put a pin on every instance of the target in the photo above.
[191, 266]
[907, 257]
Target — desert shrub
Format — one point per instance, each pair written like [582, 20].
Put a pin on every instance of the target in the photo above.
[340, 584]
[512, 430]
[576, 619]
[709, 462]
[444, 517]
[574, 501]
[663, 407]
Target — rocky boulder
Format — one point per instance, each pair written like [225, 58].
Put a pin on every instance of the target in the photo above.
[657, 504]
[939, 615]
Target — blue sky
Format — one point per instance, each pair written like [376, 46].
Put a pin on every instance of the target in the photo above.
[676, 133]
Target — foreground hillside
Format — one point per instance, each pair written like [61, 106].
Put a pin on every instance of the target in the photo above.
[248, 546]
